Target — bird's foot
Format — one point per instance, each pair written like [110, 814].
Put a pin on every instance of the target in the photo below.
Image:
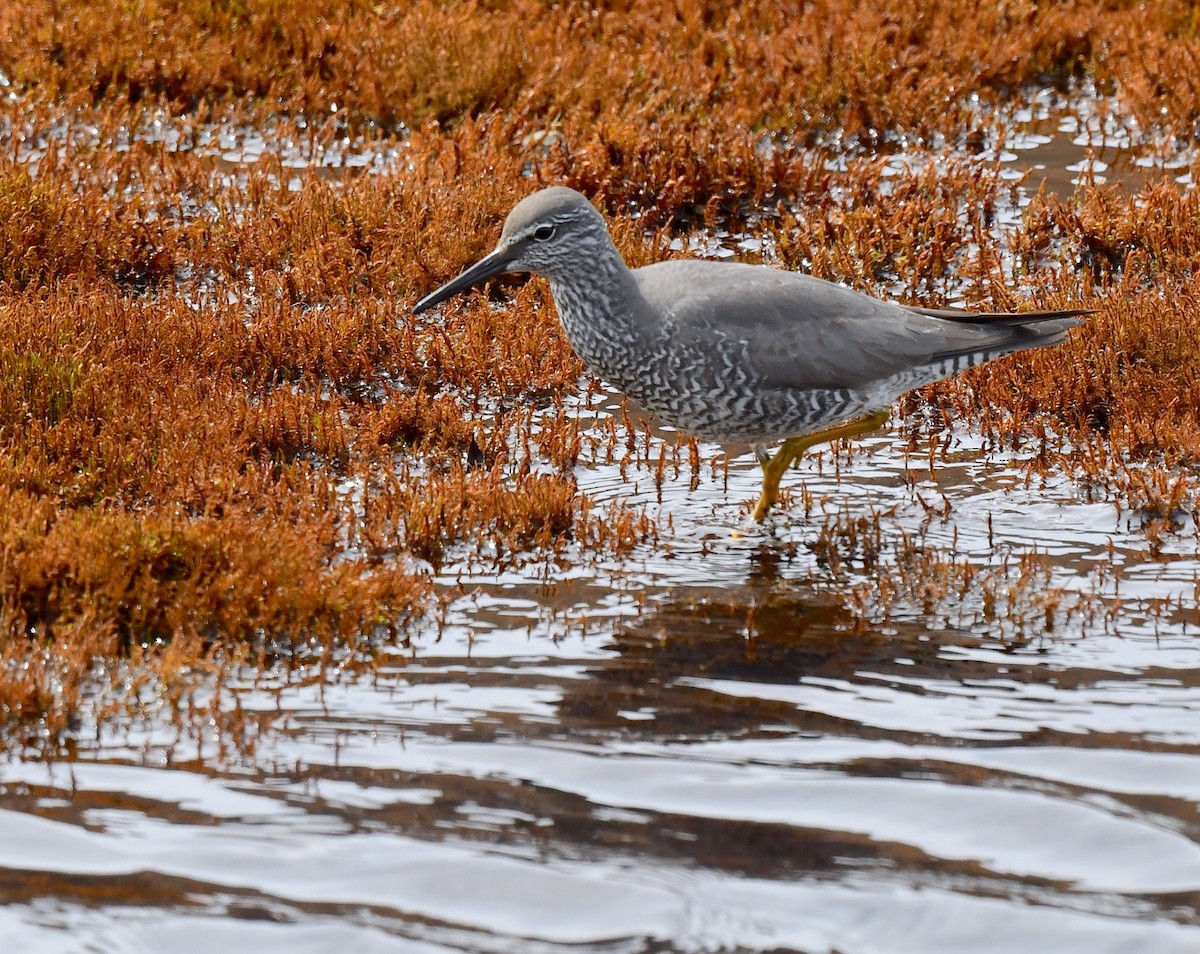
[790, 451]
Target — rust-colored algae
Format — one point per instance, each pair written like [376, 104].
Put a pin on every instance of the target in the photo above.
[222, 436]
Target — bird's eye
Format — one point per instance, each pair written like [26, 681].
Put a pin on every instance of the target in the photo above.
[544, 233]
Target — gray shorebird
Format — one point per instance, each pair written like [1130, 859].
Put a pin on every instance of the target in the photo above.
[742, 353]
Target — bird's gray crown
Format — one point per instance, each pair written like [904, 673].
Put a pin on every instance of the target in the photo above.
[557, 233]
[557, 205]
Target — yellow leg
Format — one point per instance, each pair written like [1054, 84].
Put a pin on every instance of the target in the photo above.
[792, 448]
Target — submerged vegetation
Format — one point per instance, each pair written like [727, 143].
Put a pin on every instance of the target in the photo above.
[222, 436]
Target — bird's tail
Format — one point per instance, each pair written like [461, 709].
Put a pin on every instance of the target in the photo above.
[1014, 331]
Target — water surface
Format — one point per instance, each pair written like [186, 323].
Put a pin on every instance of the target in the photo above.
[702, 751]
[924, 710]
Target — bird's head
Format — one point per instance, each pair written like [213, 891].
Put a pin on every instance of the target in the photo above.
[550, 233]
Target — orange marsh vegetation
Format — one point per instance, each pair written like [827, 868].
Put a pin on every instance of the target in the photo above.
[197, 359]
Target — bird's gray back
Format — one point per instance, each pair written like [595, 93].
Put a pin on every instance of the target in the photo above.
[800, 332]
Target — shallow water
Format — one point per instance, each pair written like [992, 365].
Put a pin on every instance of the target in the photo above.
[730, 740]
[706, 751]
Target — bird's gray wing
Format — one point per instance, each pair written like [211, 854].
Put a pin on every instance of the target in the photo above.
[797, 331]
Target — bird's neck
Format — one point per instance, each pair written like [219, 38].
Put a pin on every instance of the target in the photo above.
[595, 304]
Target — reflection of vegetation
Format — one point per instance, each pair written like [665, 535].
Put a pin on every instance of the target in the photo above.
[218, 428]
[891, 576]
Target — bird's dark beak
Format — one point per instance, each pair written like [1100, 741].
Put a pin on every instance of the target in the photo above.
[491, 264]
